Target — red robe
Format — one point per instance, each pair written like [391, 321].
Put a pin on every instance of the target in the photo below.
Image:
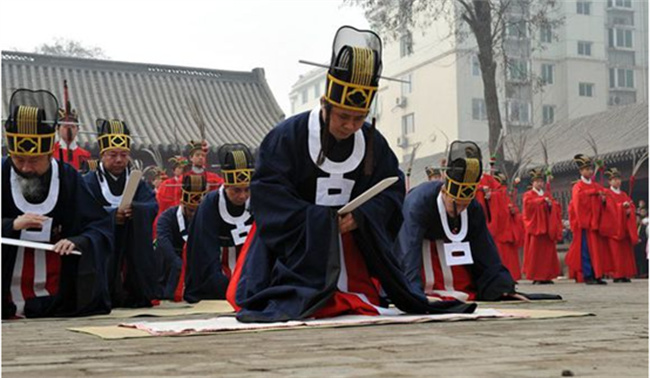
[507, 230]
[586, 210]
[214, 180]
[489, 182]
[79, 155]
[623, 237]
[543, 225]
[169, 193]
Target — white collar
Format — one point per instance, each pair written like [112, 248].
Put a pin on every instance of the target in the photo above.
[71, 146]
[445, 224]
[198, 170]
[226, 216]
[338, 168]
[539, 192]
[44, 207]
[112, 199]
[613, 189]
[585, 180]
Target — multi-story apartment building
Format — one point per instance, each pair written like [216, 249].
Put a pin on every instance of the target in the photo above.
[596, 59]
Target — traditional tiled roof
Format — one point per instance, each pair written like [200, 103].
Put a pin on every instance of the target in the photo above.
[151, 98]
[618, 133]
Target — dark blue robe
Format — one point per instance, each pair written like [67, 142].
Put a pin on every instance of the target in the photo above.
[133, 257]
[204, 277]
[292, 266]
[83, 289]
[422, 220]
[169, 248]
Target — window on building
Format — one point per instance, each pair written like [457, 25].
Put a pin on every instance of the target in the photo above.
[408, 124]
[479, 113]
[548, 73]
[621, 78]
[407, 87]
[620, 3]
[546, 34]
[548, 114]
[476, 66]
[304, 96]
[406, 44]
[586, 89]
[517, 70]
[518, 112]
[620, 38]
[584, 48]
[516, 29]
[583, 7]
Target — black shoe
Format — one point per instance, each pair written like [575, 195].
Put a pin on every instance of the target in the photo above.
[547, 282]
[535, 282]
[618, 280]
[601, 282]
[622, 280]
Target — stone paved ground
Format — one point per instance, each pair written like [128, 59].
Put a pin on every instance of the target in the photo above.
[614, 343]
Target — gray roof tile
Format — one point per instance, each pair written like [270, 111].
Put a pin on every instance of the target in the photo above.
[151, 98]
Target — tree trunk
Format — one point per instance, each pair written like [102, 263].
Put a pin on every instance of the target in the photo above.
[483, 33]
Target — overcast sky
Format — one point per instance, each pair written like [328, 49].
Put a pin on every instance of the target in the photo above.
[231, 35]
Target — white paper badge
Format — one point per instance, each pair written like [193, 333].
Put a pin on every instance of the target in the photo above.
[458, 253]
[42, 235]
[240, 233]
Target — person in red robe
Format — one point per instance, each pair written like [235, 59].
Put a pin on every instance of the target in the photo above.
[542, 217]
[485, 186]
[66, 149]
[169, 192]
[198, 159]
[505, 225]
[624, 236]
[587, 258]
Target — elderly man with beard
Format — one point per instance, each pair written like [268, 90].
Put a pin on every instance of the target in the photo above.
[133, 268]
[47, 201]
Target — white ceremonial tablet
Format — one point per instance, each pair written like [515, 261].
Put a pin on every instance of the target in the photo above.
[131, 187]
[367, 195]
[32, 244]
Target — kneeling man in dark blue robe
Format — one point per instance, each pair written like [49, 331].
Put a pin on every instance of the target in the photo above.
[133, 267]
[304, 260]
[220, 227]
[47, 201]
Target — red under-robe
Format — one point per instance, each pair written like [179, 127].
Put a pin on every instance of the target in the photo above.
[506, 229]
[543, 225]
[586, 210]
[624, 236]
[361, 293]
[79, 155]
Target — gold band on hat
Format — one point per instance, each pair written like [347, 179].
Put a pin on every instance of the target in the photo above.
[194, 196]
[114, 141]
[237, 177]
[26, 140]
[349, 89]
[465, 190]
[30, 144]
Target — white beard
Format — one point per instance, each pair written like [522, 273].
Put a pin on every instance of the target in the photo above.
[31, 187]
